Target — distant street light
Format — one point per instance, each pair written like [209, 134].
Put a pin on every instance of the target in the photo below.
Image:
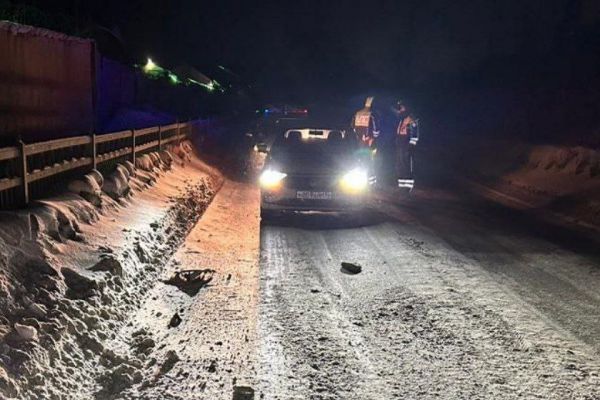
[150, 66]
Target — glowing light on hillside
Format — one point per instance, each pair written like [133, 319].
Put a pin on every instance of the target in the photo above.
[174, 78]
[210, 86]
[150, 66]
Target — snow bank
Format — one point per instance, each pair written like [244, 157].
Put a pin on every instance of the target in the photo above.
[183, 151]
[117, 183]
[62, 294]
[565, 160]
[560, 179]
[89, 187]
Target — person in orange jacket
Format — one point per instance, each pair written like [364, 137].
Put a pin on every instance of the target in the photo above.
[365, 124]
[406, 138]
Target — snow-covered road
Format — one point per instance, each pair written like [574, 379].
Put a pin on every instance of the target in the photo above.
[457, 298]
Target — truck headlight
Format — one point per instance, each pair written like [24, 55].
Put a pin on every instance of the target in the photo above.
[271, 179]
[355, 181]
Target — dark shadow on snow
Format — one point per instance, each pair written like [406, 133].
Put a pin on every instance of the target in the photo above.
[324, 220]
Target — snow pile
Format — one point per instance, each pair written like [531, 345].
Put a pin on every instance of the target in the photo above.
[563, 179]
[32, 286]
[117, 183]
[183, 151]
[567, 160]
[62, 296]
[560, 179]
[89, 187]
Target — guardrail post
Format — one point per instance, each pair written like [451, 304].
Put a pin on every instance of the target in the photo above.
[94, 152]
[133, 146]
[159, 138]
[25, 183]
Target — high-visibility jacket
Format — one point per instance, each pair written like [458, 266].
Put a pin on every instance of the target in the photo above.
[363, 118]
[364, 125]
[404, 126]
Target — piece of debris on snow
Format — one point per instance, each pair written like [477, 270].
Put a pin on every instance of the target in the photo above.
[171, 359]
[243, 393]
[212, 367]
[191, 281]
[26, 333]
[175, 321]
[351, 268]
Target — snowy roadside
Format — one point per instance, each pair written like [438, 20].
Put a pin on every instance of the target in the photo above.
[72, 271]
[200, 339]
[557, 183]
[504, 195]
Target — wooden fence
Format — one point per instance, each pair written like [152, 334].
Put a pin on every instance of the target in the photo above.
[30, 170]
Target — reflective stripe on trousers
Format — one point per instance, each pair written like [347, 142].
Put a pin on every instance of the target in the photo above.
[406, 183]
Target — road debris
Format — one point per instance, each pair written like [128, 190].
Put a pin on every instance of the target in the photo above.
[212, 367]
[175, 321]
[243, 393]
[191, 281]
[351, 268]
[171, 359]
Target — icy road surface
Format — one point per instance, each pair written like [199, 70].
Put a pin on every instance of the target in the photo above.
[457, 299]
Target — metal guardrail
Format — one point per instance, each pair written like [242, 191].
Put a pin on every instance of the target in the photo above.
[23, 165]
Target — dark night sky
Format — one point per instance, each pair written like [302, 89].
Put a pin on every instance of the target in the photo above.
[347, 45]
